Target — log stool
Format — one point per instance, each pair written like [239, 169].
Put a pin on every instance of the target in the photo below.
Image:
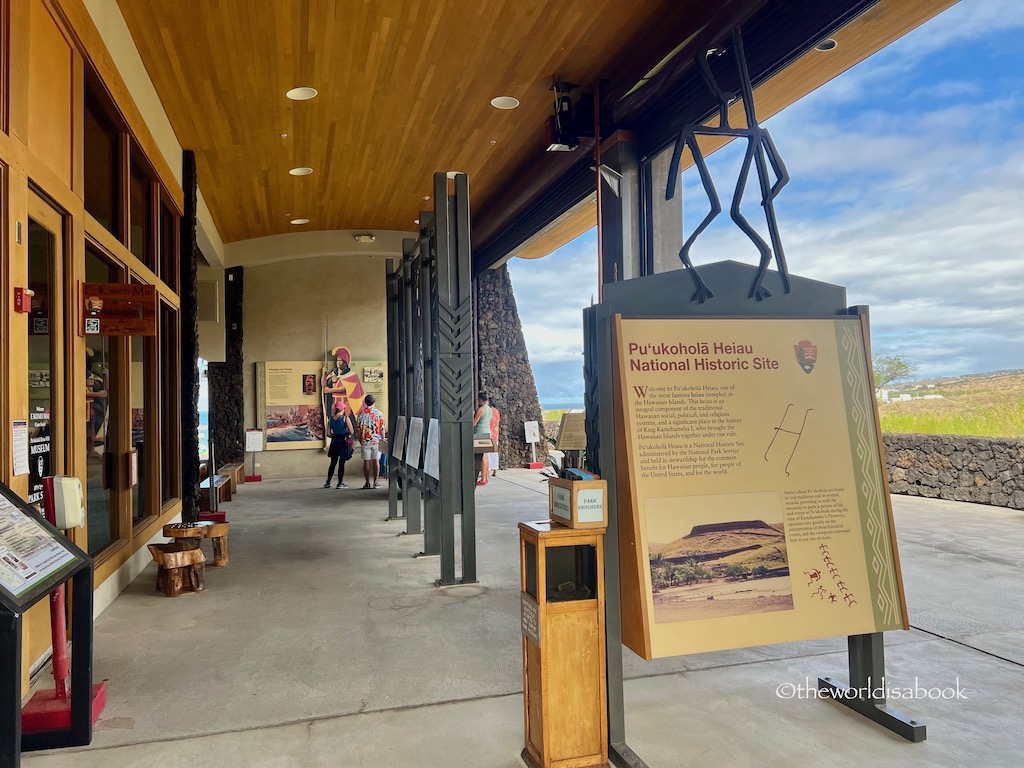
[193, 534]
[179, 567]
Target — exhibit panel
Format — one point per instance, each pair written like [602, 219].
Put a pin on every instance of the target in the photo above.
[753, 506]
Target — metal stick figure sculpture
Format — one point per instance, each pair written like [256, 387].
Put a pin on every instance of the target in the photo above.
[760, 150]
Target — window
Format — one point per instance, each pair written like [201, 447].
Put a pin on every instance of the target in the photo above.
[140, 214]
[41, 243]
[169, 246]
[101, 164]
[102, 406]
[170, 422]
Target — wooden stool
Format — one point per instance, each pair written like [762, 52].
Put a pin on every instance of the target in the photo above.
[217, 533]
[179, 567]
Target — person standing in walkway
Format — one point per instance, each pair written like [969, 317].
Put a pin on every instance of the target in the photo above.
[482, 429]
[370, 426]
[492, 458]
[340, 451]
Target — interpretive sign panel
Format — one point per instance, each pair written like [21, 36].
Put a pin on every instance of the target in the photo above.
[33, 556]
[253, 440]
[531, 430]
[572, 432]
[398, 444]
[432, 454]
[753, 507]
[415, 447]
[291, 416]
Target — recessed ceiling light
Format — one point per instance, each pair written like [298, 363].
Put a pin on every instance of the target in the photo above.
[303, 93]
[827, 44]
[284, 135]
[415, 221]
[300, 221]
[504, 102]
[303, 171]
[426, 197]
[493, 142]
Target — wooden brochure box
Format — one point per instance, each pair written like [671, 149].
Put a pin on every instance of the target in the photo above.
[564, 677]
[578, 503]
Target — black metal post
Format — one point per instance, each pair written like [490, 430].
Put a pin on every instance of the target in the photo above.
[394, 387]
[431, 382]
[411, 495]
[10, 694]
[464, 271]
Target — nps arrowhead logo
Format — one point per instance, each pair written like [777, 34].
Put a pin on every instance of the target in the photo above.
[806, 355]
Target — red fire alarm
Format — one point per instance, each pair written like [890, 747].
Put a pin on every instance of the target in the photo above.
[23, 299]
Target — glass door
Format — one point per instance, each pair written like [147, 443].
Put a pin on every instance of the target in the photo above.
[103, 419]
[47, 401]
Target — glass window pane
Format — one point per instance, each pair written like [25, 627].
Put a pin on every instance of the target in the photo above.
[169, 247]
[40, 399]
[101, 410]
[139, 212]
[139, 382]
[101, 165]
[170, 475]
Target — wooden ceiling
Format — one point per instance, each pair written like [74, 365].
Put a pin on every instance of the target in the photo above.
[405, 89]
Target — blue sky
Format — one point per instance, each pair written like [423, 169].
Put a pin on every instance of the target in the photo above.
[907, 187]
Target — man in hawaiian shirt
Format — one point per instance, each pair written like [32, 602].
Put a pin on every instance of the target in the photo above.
[370, 427]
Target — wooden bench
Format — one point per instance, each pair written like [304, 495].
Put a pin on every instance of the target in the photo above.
[193, 535]
[221, 485]
[180, 567]
[234, 472]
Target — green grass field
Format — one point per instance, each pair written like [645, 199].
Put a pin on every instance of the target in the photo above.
[987, 405]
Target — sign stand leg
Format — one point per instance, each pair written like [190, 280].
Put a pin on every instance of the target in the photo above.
[866, 692]
[10, 696]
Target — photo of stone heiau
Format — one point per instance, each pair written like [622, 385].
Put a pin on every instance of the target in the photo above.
[721, 569]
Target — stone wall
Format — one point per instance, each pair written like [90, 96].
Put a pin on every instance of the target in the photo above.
[226, 380]
[504, 366]
[189, 318]
[978, 469]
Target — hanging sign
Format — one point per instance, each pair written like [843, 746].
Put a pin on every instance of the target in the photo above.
[118, 309]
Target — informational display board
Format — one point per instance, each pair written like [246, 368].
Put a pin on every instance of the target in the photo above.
[19, 446]
[531, 430]
[291, 415]
[572, 432]
[33, 555]
[398, 441]
[253, 440]
[432, 453]
[753, 507]
[294, 399]
[415, 447]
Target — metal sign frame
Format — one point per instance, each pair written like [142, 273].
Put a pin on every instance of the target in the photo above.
[80, 573]
[430, 348]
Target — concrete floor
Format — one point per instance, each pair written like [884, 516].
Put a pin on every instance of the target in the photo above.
[325, 643]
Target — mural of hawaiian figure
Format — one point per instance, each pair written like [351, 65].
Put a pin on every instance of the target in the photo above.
[342, 387]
